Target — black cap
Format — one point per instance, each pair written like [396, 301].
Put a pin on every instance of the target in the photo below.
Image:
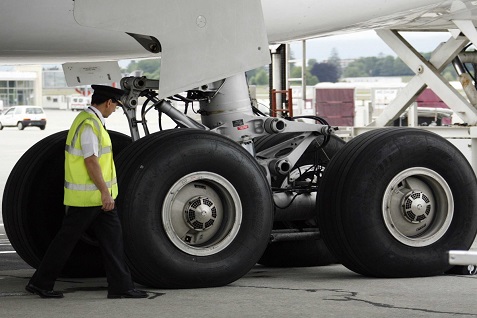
[102, 93]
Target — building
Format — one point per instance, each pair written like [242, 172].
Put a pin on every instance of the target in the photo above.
[22, 86]
[38, 85]
[56, 93]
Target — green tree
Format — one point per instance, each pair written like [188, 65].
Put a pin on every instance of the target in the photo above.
[325, 72]
[355, 69]
[311, 62]
[295, 72]
[335, 60]
[258, 76]
[401, 69]
[387, 66]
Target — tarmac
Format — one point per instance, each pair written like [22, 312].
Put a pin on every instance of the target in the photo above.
[329, 291]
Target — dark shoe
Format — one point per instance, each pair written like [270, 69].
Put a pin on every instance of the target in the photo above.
[132, 293]
[43, 293]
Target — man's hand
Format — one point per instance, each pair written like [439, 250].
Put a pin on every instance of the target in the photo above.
[94, 171]
[107, 200]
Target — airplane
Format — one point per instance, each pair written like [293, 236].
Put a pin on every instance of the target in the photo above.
[202, 204]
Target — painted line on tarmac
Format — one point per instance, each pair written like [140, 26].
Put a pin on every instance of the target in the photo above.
[5, 242]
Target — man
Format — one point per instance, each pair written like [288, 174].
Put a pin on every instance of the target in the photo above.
[90, 189]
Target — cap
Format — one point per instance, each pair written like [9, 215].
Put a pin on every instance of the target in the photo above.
[103, 93]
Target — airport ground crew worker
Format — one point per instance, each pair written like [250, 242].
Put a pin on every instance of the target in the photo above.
[89, 193]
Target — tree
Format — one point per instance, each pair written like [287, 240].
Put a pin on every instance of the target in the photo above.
[401, 69]
[325, 72]
[385, 66]
[295, 72]
[354, 70]
[258, 76]
[335, 60]
[311, 62]
[371, 66]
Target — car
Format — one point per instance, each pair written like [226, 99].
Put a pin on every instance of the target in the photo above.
[23, 116]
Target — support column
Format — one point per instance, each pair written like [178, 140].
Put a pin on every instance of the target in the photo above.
[278, 78]
[303, 73]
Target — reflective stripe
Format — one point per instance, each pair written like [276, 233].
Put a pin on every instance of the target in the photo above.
[87, 187]
[75, 136]
[103, 151]
[78, 152]
[73, 151]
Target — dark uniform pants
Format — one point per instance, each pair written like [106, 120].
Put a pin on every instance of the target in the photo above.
[107, 228]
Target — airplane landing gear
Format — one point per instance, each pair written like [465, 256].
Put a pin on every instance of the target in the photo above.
[198, 217]
[386, 210]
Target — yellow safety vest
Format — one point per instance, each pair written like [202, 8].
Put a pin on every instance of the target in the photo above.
[79, 189]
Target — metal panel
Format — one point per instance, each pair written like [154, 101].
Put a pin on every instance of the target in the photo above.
[430, 99]
[336, 105]
[463, 257]
[85, 73]
[202, 41]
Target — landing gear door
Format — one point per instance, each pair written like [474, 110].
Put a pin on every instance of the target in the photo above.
[87, 73]
[202, 40]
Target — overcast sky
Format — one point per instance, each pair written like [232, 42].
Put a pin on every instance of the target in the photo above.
[363, 44]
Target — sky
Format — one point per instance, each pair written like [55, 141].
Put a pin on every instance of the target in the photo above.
[364, 44]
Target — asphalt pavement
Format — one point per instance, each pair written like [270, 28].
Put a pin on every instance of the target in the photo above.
[329, 291]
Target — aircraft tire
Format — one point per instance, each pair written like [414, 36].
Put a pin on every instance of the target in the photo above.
[303, 253]
[394, 201]
[33, 207]
[166, 174]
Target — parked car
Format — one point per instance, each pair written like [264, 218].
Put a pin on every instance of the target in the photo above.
[23, 116]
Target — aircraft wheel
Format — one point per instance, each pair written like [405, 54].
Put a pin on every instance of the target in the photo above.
[33, 207]
[196, 209]
[306, 252]
[394, 201]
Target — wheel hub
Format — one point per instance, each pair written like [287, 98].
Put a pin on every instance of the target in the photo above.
[200, 213]
[416, 206]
